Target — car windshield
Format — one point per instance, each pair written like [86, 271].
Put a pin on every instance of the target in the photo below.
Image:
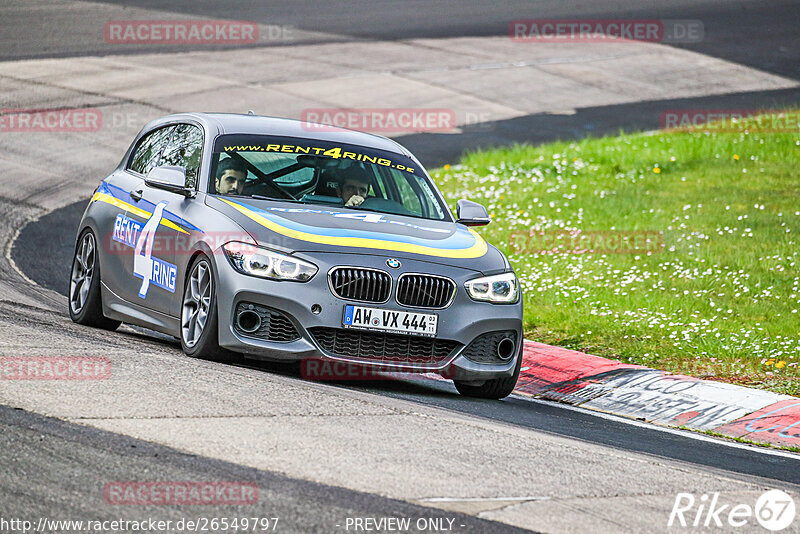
[319, 172]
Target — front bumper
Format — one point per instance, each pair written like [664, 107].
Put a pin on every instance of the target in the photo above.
[461, 322]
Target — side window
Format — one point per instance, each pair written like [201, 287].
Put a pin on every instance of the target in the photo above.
[145, 157]
[408, 197]
[381, 191]
[184, 150]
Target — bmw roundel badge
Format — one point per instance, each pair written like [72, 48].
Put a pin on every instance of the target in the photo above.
[393, 263]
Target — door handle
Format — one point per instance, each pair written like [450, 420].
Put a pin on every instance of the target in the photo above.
[137, 195]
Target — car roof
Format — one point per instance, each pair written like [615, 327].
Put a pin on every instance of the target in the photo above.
[236, 123]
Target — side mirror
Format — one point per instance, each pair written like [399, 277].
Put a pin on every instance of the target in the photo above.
[170, 179]
[471, 213]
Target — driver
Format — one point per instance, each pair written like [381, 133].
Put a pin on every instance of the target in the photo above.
[354, 186]
[231, 174]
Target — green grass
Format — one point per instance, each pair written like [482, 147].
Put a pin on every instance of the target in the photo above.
[720, 300]
[745, 441]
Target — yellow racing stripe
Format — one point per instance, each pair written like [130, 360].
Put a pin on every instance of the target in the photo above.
[108, 199]
[477, 250]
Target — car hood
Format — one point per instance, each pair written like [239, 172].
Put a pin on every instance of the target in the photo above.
[295, 227]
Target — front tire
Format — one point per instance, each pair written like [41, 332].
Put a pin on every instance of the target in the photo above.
[199, 324]
[85, 300]
[497, 388]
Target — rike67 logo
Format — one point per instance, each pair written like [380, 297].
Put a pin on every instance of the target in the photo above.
[773, 510]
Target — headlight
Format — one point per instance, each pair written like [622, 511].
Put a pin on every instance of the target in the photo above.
[500, 288]
[257, 261]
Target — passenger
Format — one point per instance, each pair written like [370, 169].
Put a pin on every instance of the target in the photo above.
[354, 186]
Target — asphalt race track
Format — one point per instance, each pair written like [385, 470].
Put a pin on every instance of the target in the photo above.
[321, 453]
[93, 457]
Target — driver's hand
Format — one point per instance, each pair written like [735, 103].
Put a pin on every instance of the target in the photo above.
[355, 200]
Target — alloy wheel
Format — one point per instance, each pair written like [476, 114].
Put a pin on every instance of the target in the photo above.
[82, 273]
[196, 303]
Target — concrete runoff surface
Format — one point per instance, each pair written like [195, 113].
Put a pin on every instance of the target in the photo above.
[409, 449]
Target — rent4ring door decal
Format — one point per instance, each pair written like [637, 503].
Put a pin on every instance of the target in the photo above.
[140, 237]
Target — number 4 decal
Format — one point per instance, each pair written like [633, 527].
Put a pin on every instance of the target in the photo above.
[145, 266]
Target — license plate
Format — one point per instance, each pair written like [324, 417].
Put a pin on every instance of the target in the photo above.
[422, 324]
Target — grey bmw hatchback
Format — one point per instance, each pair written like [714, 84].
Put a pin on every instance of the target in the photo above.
[284, 240]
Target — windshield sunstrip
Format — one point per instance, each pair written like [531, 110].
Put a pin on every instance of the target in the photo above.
[312, 147]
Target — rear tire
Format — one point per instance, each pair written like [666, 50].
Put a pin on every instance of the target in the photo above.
[85, 299]
[199, 323]
[497, 388]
